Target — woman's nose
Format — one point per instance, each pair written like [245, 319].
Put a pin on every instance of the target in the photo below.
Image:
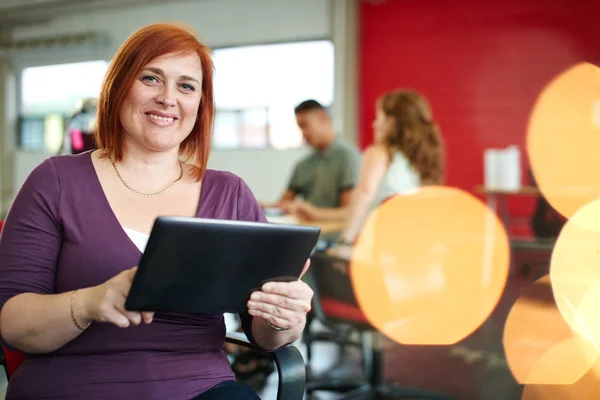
[166, 97]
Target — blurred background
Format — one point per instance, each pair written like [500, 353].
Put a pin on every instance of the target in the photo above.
[482, 65]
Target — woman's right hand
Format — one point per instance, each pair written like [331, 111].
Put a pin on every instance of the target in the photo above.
[106, 303]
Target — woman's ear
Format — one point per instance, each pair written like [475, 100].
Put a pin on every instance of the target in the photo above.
[391, 123]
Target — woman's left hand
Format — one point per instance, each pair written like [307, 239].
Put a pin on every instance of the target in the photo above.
[282, 304]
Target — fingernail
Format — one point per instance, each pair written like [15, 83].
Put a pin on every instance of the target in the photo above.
[251, 312]
[255, 296]
[251, 304]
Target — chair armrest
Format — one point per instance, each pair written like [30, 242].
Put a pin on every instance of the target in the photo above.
[341, 338]
[290, 367]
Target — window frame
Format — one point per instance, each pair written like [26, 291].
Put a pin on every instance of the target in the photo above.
[19, 98]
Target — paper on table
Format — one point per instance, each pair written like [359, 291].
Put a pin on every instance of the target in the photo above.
[282, 219]
[502, 168]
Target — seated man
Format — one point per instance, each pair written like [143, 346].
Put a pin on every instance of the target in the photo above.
[326, 177]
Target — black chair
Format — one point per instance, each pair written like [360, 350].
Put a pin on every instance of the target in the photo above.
[337, 330]
[290, 367]
[334, 304]
[288, 360]
[546, 224]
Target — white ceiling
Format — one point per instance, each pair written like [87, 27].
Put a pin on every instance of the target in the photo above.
[17, 12]
[13, 4]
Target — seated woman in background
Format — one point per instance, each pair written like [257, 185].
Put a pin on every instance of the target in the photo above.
[79, 224]
[407, 153]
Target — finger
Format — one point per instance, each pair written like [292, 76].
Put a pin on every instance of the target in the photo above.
[113, 316]
[277, 321]
[134, 317]
[271, 309]
[258, 299]
[305, 269]
[295, 290]
[148, 316]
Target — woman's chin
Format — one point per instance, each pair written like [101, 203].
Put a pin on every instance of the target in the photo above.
[162, 147]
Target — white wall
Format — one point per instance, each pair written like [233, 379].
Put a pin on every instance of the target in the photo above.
[265, 171]
[221, 23]
[345, 36]
[6, 145]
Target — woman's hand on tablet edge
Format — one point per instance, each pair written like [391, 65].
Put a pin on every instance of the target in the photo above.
[283, 305]
[106, 303]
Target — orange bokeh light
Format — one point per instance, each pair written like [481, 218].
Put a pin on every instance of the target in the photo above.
[574, 272]
[586, 388]
[430, 266]
[563, 138]
[538, 343]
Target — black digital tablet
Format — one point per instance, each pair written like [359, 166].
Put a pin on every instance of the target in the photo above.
[194, 265]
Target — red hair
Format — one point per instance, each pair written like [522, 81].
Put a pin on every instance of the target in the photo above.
[141, 48]
[415, 133]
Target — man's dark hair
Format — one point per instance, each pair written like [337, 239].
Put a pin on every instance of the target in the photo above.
[309, 105]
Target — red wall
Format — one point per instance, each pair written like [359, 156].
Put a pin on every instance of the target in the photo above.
[480, 63]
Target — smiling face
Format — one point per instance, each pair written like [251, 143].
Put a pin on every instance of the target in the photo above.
[160, 110]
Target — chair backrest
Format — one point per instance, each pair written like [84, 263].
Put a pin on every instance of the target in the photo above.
[12, 359]
[334, 299]
[546, 222]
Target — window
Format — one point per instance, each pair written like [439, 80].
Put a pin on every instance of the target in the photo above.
[235, 128]
[49, 95]
[257, 88]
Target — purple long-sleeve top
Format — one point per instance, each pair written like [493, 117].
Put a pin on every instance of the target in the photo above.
[61, 234]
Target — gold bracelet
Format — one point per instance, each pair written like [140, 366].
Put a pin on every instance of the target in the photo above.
[83, 328]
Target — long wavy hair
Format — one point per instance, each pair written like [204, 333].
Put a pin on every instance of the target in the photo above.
[414, 133]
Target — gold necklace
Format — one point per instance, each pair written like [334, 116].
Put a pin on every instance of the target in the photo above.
[146, 194]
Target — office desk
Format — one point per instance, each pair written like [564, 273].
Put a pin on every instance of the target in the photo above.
[327, 227]
[497, 199]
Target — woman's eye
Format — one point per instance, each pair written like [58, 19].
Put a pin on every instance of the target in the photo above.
[149, 79]
[188, 87]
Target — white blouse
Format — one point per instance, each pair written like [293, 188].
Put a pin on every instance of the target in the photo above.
[140, 239]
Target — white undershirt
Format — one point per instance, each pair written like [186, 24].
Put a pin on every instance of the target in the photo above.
[140, 239]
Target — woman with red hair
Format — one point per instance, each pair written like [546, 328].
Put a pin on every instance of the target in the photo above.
[408, 152]
[80, 223]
